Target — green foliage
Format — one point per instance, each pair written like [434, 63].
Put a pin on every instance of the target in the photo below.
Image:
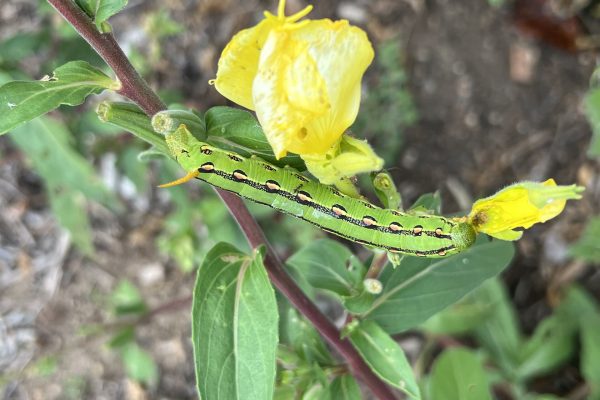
[238, 131]
[21, 101]
[585, 314]
[101, 10]
[234, 326]
[592, 111]
[345, 388]
[324, 264]
[419, 288]
[139, 365]
[126, 299]
[19, 46]
[490, 319]
[430, 203]
[69, 178]
[384, 356]
[465, 315]
[458, 374]
[587, 247]
[387, 108]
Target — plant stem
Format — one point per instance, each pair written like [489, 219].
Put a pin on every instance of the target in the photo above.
[133, 86]
[137, 90]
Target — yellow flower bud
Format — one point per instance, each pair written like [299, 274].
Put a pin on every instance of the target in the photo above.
[301, 78]
[520, 206]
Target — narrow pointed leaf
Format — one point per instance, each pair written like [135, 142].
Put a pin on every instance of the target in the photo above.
[68, 177]
[419, 288]
[21, 101]
[385, 357]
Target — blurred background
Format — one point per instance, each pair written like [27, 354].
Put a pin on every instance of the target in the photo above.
[463, 98]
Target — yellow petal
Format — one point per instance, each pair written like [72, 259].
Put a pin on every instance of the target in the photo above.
[288, 91]
[509, 235]
[239, 62]
[307, 90]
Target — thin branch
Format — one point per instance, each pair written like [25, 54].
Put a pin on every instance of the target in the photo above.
[133, 86]
[136, 89]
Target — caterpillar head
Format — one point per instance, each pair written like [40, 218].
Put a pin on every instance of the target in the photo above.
[184, 147]
[463, 235]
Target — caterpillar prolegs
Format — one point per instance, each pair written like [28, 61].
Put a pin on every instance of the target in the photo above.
[286, 190]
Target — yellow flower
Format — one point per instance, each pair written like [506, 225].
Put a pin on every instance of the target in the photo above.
[520, 206]
[301, 78]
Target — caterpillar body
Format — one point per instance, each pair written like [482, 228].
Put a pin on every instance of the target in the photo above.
[286, 190]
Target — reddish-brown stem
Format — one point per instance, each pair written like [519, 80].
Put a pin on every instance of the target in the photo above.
[133, 85]
[136, 89]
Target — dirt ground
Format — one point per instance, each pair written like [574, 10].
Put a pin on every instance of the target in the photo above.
[495, 106]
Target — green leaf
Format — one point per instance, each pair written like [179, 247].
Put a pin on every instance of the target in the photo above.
[587, 247]
[303, 338]
[500, 333]
[345, 388]
[21, 101]
[462, 317]
[234, 326]
[592, 111]
[324, 264]
[590, 354]
[122, 338]
[458, 374]
[584, 309]
[428, 203]
[552, 343]
[237, 130]
[385, 357]
[21, 45]
[317, 392]
[126, 299]
[67, 175]
[138, 364]
[420, 287]
[101, 10]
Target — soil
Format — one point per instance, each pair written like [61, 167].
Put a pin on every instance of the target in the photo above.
[495, 106]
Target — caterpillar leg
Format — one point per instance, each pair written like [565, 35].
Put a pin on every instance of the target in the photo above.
[189, 176]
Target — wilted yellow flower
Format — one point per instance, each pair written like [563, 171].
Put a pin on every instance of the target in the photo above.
[301, 78]
[520, 206]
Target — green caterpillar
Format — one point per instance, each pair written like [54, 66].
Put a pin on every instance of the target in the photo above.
[286, 190]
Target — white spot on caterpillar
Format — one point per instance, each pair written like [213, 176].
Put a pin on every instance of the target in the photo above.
[11, 105]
